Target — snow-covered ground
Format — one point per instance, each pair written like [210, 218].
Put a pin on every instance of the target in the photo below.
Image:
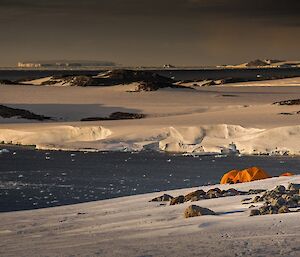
[182, 120]
[206, 120]
[133, 226]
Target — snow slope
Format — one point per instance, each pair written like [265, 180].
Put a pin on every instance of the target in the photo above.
[133, 226]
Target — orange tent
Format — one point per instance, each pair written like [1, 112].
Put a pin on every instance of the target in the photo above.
[287, 174]
[246, 175]
[228, 178]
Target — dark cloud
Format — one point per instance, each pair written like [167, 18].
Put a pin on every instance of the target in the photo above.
[146, 32]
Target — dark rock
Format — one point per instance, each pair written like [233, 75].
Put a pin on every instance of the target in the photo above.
[254, 212]
[7, 82]
[231, 192]
[257, 199]
[147, 80]
[257, 63]
[194, 210]
[269, 209]
[162, 198]
[294, 187]
[283, 209]
[292, 203]
[246, 199]
[256, 191]
[218, 190]
[278, 202]
[280, 189]
[177, 200]
[8, 112]
[117, 116]
[213, 194]
[196, 195]
[289, 102]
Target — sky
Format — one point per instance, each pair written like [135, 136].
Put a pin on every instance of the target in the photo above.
[149, 32]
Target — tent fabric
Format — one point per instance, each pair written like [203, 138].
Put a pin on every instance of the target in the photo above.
[286, 174]
[246, 175]
[229, 177]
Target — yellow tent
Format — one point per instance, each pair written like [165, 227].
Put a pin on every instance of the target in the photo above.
[246, 175]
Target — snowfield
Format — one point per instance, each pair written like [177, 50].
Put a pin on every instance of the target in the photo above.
[133, 226]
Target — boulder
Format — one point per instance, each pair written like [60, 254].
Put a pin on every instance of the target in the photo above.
[280, 189]
[195, 210]
[256, 191]
[278, 202]
[268, 209]
[254, 212]
[292, 203]
[162, 198]
[283, 209]
[213, 194]
[231, 192]
[218, 190]
[177, 200]
[294, 187]
[195, 196]
[246, 200]
[257, 199]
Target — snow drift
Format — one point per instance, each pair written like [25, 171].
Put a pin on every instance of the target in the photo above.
[206, 139]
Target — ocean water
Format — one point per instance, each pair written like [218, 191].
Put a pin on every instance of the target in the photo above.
[31, 179]
[179, 74]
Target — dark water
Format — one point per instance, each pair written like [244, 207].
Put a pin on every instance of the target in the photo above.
[32, 179]
[184, 74]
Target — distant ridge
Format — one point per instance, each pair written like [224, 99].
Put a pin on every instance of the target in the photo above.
[268, 63]
[257, 63]
[65, 63]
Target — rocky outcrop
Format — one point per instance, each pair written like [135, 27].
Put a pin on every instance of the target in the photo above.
[162, 198]
[257, 63]
[117, 116]
[212, 193]
[195, 210]
[79, 81]
[278, 200]
[195, 196]
[288, 102]
[8, 112]
[8, 82]
[177, 200]
[146, 80]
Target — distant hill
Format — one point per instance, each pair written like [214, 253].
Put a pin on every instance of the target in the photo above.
[65, 63]
[146, 80]
[269, 63]
[257, 63]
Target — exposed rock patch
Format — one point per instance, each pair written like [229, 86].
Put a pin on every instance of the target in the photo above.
[177, 200]
[195, 210]
[162, 198]
[195, 196]
[8, 82]
[147, 81]
[288, 102]
[201, 195]
[257, 63]
[8, 112]
[117, 116]
[278, 200]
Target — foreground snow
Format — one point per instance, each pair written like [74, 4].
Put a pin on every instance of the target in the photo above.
[132, 226]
